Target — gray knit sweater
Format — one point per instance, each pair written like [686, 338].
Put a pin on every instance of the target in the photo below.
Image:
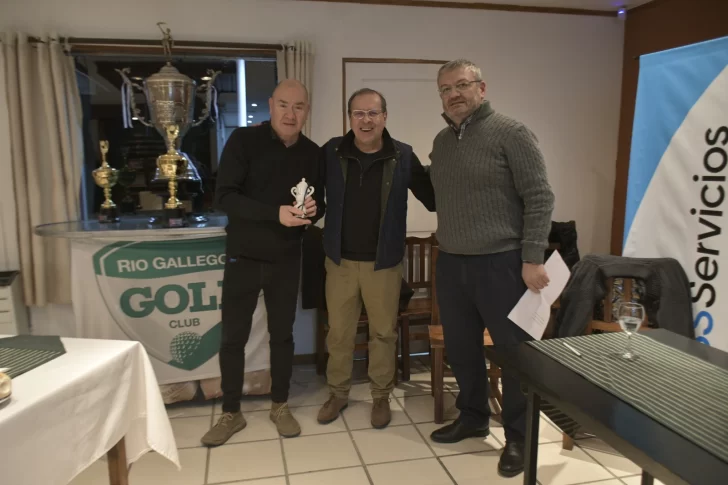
[491, 189]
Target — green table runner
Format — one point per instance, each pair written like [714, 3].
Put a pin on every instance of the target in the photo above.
[680, 391]
[23, 353]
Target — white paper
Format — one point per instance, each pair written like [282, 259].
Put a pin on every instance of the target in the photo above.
[533, 310]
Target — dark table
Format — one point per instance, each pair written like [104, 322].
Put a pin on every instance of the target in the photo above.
[659, 451]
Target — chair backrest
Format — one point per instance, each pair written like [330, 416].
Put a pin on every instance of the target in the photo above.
[553, 246]
[612, 298]
[603, 317]
[418, 262]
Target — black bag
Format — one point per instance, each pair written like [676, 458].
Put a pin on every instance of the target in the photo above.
[405, 295]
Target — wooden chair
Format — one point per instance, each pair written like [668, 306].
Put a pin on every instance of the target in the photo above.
[362, 327]
[417, 265]
[437, 359]
[606, 324]
[437, 349]
[439, 371]
[418, 274]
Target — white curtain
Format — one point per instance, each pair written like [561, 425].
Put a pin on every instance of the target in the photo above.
[9, 255]
[295, 61]
[46, 156]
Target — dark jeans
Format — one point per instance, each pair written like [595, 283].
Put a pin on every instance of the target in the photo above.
[242, 281]
[475, 292]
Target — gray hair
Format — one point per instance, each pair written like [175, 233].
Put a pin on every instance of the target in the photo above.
[367, 91]
[461, 63]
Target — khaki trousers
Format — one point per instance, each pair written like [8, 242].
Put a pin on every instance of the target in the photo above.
[348, 286]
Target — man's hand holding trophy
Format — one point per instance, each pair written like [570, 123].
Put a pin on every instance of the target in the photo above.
[304, 206]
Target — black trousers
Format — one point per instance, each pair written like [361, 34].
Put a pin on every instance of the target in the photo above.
[475, 292]
[242, 281]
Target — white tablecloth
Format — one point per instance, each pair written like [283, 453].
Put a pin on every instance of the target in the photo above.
[67, 413]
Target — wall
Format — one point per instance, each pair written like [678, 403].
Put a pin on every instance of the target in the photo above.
[560, 74]
[654, 27]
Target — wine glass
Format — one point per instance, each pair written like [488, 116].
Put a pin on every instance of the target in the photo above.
[630, 316]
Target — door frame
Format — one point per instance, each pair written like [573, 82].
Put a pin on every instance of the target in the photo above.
[372, 60]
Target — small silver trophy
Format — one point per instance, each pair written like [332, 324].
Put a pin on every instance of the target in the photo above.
[300, 192]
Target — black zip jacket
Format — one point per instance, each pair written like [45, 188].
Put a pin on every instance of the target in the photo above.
[256, 174]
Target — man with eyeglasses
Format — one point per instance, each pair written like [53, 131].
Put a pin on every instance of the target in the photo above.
[368, 174]
[494, 206]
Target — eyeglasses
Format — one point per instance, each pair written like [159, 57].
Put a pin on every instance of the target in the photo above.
[460, 87]
[359, 114]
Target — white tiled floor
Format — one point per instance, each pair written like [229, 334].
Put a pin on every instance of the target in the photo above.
[349, 452]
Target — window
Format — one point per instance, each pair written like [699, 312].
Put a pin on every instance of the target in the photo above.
[243, 88]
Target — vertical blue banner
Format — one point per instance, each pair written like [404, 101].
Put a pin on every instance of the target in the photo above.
[676, 191]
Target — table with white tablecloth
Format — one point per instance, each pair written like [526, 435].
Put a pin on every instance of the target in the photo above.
[100, 397]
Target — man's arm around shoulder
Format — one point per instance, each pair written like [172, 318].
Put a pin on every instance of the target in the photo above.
[319, 184]
[421, 185]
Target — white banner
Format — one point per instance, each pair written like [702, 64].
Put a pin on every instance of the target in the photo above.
[676, 192]
[165, 294]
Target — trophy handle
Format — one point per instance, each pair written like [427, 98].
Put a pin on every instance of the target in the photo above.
[127, 99]
[293, 191]
[210, 93]
[309, 190]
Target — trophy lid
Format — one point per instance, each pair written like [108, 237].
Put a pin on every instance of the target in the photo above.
[169, 73]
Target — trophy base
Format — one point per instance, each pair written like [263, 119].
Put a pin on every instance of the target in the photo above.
[174, 218]
[109, 215]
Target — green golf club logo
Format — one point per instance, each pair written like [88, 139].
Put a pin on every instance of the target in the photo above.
[166, 295]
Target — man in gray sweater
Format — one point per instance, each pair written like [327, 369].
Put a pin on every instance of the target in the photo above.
[494, 206]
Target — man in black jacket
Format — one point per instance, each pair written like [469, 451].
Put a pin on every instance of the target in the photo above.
[368, 175]
[258, 167]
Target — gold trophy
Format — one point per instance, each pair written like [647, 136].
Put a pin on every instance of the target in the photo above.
[171, 166]
[106, 177]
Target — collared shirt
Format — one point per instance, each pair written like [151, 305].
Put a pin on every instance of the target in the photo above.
[460, 131]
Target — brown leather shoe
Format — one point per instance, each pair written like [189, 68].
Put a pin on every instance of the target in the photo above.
[381, 414]
[331, 409]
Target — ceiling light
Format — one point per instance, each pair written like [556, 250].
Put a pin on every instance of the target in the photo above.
[254, 105]
[206, 78]
[250, 116]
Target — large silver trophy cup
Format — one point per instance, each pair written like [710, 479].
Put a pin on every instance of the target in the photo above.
[170, 97]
